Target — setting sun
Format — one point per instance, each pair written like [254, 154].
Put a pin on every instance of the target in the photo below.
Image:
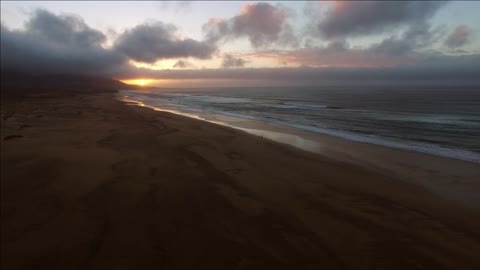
[140, 82]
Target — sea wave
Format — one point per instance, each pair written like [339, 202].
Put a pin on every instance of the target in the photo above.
[424, 133]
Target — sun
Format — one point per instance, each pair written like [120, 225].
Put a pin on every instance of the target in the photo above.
[139, 82]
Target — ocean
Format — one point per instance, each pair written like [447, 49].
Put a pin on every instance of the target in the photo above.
[442, 121]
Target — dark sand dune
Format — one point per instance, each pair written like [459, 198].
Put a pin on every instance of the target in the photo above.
[90, 183]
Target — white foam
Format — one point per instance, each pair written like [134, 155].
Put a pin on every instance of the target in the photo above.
[200, 113]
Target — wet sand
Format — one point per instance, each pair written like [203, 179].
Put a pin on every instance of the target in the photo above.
[90, 183]
[454, 179]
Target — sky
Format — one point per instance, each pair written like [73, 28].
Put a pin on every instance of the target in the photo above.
[221, 43]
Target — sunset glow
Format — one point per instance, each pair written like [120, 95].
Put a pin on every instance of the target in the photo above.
[288, 42]
[140, 82]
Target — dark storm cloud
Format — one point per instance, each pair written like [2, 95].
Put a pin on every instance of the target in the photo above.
[262, 23]
[54, 44]
[68, 30]
[151, 42]
[230, 61]
[353, 18]
[459, 37]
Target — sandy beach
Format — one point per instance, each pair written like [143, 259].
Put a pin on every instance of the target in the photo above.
[88, 182]
[452, 178]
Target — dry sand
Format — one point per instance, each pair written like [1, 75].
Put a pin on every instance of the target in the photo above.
[90, 183]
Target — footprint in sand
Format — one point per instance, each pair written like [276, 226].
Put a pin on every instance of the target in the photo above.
[234, 155]
[152, 171]
[24, 126]
[234, 171]
[11, 137]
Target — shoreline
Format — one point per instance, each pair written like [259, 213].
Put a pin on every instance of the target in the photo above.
[248, 124]
[89, 182]
[454, 178]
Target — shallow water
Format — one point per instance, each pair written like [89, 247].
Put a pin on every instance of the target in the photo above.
[439, 121]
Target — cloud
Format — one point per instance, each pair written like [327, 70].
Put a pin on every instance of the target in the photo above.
[65, 44]
[262, 23]
[404, 48]
[230, 61]
[392, 51]
[433, 69]
[177, 6]
[459, 37]
[57, 44]
[336, 54]
[153, 41]
[353, 18]
[68, 30]
[415, 37]
[51, 43]
[183, 64]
